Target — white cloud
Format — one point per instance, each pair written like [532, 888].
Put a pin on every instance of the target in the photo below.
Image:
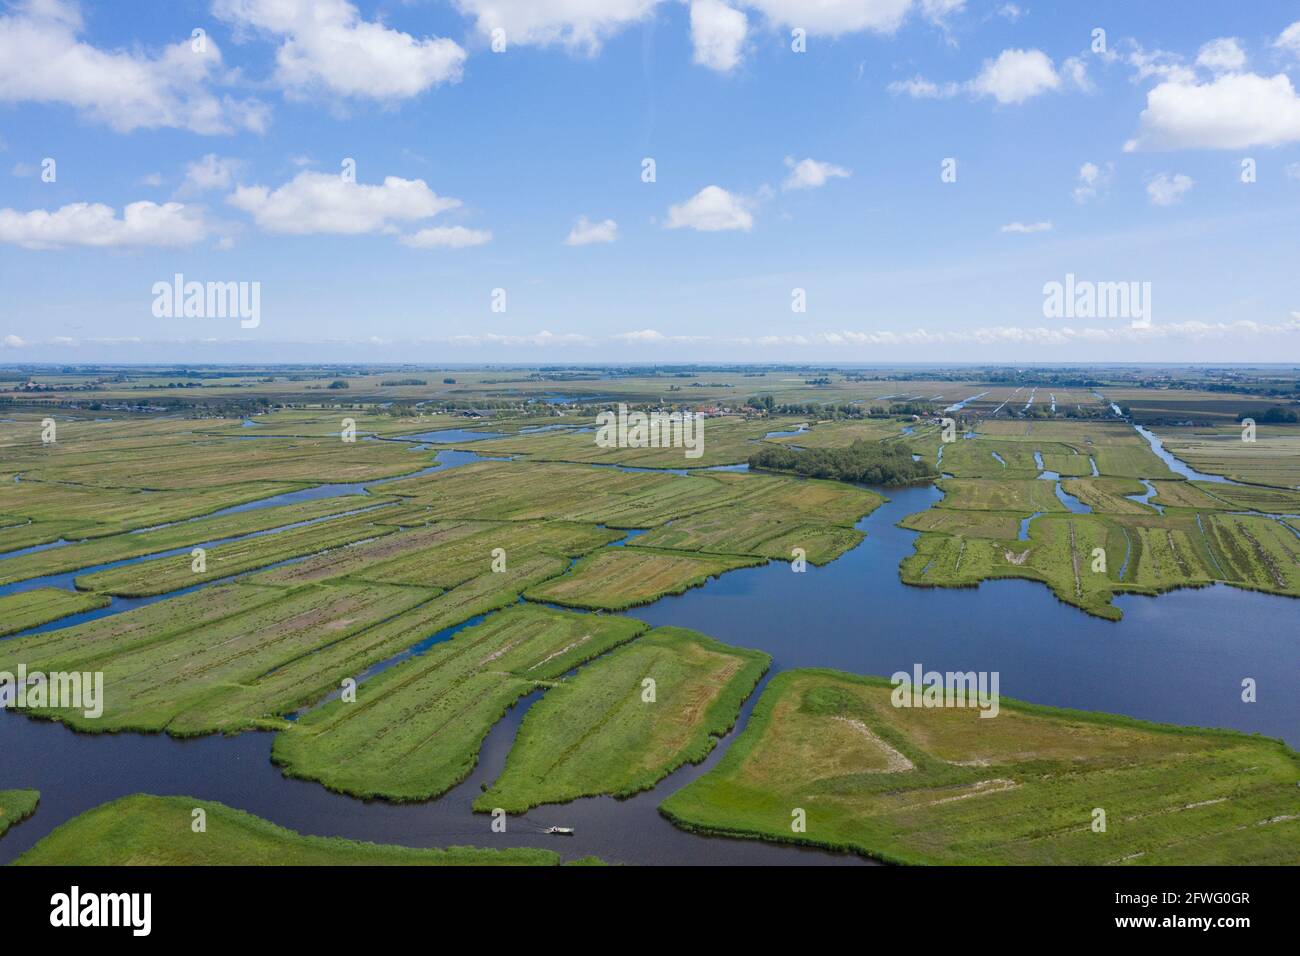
[1074, 72]
[13, 342]
[150, 179]
[718, 34]
[990, 335]
[447, 237]
[1010, 11]
[1093, 181]
[1027, 227]
[938, 11]
[811, 173]
[1015, 76]
[834, 17]
[1289, 39]
[169, 225]
[42, 61]
[541, 339]
[325, 46]
[210, 172]
[580, 25]
[712, 209]
[1223, 55]
[919, 88]
[1159, 64]
[1293, 170]
[642, 335]
[1166, 190]
[1233, 111]
[655, 337]
[314, 202]
[718, 27]
[585, 232]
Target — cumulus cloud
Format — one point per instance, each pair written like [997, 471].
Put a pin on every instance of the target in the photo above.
[1232, 111]
[579, 25]
[13, 342]
[834, 17]
[1223, 55]
[811, 173]
[314, 202]
[1158, 64]
[718, 27]
[585, 232]
[1289, 40]
[1027, 227]
[1093, 181]
[1074, 72]
[712, 209]
[992, 335]
[210, 172]
[939, 11]
[541, 339]
[169, 225]
[1166, 190]
[1015, 76]
[919, 88]
[718, 34]
[326, 46]
[43, 61]
[447, 237]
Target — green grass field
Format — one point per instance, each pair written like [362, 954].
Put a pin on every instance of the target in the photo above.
[944, 785]
[596, 733]
[1123, 545]
[16, 806]
[1272, 459]
[317, 603]
[622, 578]
[987, 494]
[725, 441]
[27, 609]
[143, 830]
[119, 547]
[213, 660]
[415, 729]
[161, 575]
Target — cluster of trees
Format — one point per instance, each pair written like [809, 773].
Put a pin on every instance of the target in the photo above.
[921, 409]
[865, 462]
[1275, 416]
[825, 411]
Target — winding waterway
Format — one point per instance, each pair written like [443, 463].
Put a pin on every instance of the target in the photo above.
[1179, 658]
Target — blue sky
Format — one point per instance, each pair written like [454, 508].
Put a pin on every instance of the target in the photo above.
[775, 171]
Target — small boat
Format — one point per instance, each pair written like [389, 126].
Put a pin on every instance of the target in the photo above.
[559, 831]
